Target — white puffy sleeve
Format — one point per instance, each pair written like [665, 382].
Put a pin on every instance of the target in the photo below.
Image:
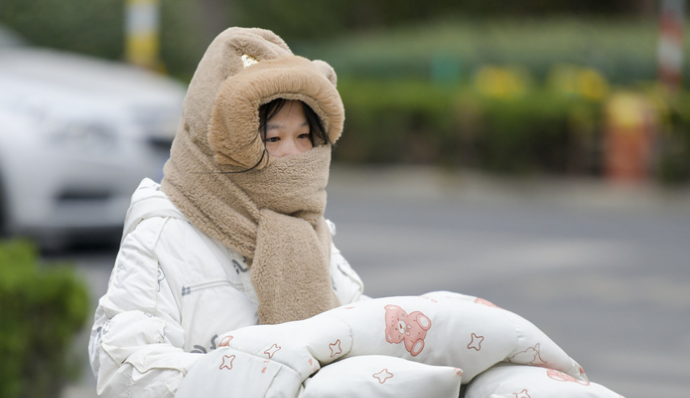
[136, 341]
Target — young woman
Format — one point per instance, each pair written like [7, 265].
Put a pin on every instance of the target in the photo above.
[227, 282]
[235, 234]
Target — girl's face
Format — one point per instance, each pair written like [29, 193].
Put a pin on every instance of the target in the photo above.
[287, 132]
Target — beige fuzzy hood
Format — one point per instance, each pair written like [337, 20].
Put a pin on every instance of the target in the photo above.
[220, 176]
[241, 70]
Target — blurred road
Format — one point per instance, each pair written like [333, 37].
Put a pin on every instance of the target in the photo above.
[603, 270]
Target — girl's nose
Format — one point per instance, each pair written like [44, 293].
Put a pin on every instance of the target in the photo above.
[290, 148]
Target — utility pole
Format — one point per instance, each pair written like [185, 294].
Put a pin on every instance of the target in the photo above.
[670, 48]
[142, 33]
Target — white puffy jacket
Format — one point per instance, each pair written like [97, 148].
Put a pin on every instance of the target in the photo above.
[172, 292]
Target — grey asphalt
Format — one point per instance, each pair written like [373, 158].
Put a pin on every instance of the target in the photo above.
[603, 269]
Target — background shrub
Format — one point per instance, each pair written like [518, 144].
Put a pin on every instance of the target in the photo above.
[674, 158]
[409, 121]
[96, 27]
[41, 308]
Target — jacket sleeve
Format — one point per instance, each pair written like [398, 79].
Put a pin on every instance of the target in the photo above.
[347, 284]
[135, 344]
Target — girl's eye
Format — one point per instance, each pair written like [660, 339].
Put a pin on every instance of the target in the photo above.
[272, 139]
[306, 135]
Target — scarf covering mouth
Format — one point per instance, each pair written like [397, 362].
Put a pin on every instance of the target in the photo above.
[269, 210]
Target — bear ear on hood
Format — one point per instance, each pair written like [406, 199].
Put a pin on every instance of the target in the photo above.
[327, 70]
[271, 37]
[255, 44]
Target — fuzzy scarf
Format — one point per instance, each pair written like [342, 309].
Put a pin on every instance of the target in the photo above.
[219, 175]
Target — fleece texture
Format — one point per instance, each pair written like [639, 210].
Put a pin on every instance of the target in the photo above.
[270, 210]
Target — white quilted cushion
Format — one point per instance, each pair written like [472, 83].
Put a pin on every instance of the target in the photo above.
[382, 377]
[515, 381]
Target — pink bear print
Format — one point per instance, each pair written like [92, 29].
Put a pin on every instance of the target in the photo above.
[530, 356]
[410, 328]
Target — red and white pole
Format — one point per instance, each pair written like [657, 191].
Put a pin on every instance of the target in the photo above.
[671, 44]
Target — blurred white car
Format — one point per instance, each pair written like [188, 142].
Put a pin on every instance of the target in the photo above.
[77, 135]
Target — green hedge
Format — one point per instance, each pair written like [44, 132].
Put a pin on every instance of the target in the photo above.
[674, 162]
[418, 122]
[42, 308]
[389, 121]
[623, 49]
[531, 129]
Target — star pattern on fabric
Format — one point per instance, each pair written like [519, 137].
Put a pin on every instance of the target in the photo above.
[383, 375]
[225, 342]
[271, 351]
[476, 343]
[335, 348]
[522, 394]
[264, 369]
[227, 362]
[458, 372]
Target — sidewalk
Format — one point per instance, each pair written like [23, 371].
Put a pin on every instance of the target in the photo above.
[437, 184]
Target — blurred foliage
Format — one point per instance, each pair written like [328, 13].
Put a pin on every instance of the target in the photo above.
[507, 86]
[674, 143]
[310, 19]
[42, 309]
[96, 27]
[534, 129]
[622, 50]
[85, 26]
[524, 127]
[313, 19]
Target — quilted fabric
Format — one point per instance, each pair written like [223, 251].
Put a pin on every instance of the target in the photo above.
[436, 342]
